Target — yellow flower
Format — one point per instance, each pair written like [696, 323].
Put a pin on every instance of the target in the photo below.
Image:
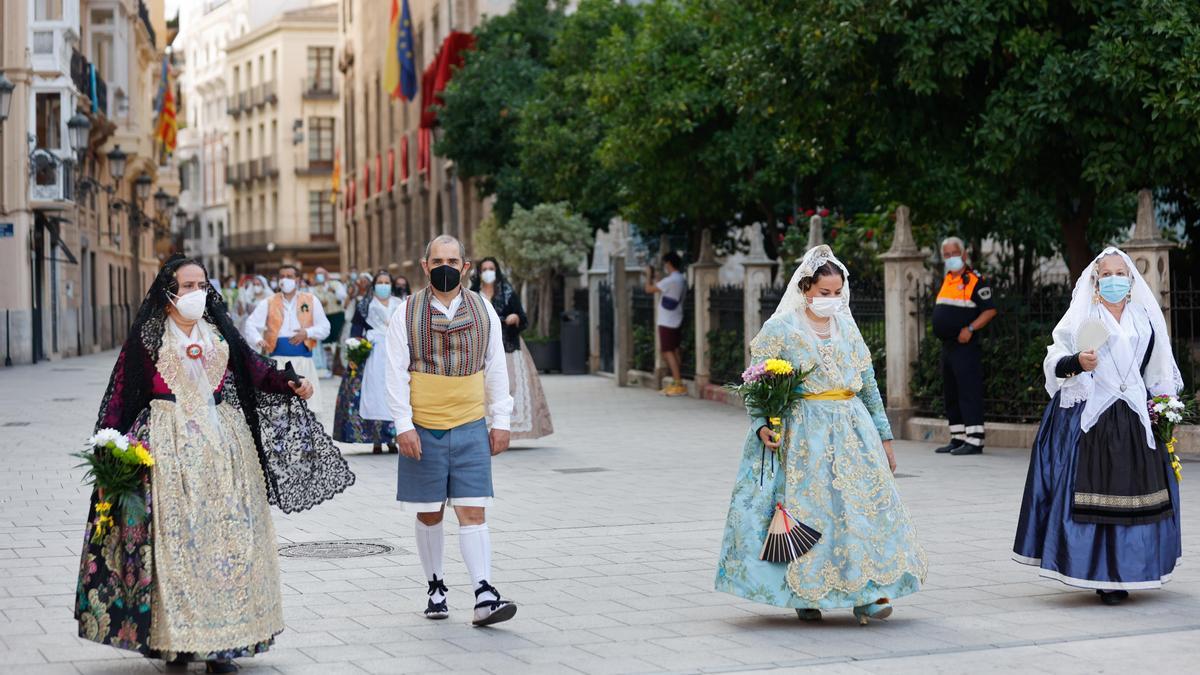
[776, 422]
[778, 367]
[103, 507]
[143, 455]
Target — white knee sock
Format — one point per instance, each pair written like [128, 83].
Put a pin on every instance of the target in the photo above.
[430, 545]
[476, 545]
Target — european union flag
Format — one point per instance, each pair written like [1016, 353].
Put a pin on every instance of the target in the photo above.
[404, 49]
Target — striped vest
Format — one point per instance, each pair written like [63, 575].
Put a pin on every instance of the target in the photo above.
[451, 347]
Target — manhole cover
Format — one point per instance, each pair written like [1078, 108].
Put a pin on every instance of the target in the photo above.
[334, 549]
[582, 469]
[63, 400]
[16, 424]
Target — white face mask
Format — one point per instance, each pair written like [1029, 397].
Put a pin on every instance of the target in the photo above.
[287, 285]
[191, 306]
[488, 276]
[826, 306]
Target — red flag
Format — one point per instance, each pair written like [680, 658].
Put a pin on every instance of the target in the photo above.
[423, 137]
[404, 165]
[367, 180]
[391, 162]
[378, 172]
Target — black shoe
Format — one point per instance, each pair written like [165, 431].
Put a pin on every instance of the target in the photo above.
[220, 667]
[437, 610]
[392, 448]
[177, 664]
[489, 612]
[949, 447]
[1111, 598]
[377, 449]
[967, 449]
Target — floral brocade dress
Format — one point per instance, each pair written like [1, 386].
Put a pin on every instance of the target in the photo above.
[833, 477]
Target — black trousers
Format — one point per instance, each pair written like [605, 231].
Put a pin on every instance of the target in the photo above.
[962, 385]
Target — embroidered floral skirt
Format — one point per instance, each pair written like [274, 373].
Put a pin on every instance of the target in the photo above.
[834, 478]
[531, 413]
[200, 576]
[348, 424]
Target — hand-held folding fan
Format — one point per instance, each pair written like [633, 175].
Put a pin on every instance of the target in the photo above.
[1092, 335]
[787, 538]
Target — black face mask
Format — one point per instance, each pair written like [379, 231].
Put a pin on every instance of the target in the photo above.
[400, 290]
[445, 278]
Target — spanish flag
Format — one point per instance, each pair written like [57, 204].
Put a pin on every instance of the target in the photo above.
[399, 68]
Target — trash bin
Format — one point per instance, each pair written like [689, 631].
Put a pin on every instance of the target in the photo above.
[574, 338]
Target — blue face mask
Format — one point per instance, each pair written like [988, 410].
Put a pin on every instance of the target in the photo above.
[1114, 288]
[383, 291]
[954, 263]
[320, 278]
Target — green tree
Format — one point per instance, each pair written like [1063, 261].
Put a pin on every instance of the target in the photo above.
[557, 134]
[485, 99]
[539, 245]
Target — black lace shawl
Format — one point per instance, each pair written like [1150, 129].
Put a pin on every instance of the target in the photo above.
[300, 462]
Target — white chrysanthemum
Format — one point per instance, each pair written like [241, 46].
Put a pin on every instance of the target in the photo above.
[1175, 404]
[104, 437]
[122, 442]
[353, 343]
[1159, 407]
[1174, 417]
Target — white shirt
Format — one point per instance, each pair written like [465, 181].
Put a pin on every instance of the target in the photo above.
[495, 370]
[256, 324]
[673, 288]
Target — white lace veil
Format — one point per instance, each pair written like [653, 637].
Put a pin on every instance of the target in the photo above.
[1162, 375]
[793, 298]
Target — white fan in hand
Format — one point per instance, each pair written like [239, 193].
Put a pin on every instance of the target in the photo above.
[1091, 336]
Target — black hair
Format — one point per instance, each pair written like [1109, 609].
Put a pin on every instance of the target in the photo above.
[289, 266]
[826, 270]
[383, 273]
[477, 278]
[673, 258]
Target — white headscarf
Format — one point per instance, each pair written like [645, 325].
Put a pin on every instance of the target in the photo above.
[793, 300]
[1162, 375]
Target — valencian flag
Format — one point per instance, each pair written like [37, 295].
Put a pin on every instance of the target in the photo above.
[336, 185]
[167, 126]
[399, 69]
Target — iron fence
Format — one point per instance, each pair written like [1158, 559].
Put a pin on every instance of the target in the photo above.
[1185, 328]
[867, 306]
[641, 316]
[687, 349]
[607, 320]
[726, 305]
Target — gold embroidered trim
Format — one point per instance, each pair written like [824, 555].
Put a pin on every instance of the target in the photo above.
[1119, 501]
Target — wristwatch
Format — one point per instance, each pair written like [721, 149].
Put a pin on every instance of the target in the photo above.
[970, 328]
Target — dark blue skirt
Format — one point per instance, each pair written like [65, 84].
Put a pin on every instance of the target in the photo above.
[1086, 555]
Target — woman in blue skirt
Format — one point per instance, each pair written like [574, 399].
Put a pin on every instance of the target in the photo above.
[1101, 504]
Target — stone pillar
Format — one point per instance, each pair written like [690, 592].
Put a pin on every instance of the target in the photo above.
[816, 236]
[622, 329]
[1151, 253]
[593, 281]
[759, 272]
[705, 273]
[661, 370]
[903, 273]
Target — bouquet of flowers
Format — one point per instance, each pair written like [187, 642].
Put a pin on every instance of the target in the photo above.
[357, 350]
[770, 389]
[116, 466]
[1166, 412]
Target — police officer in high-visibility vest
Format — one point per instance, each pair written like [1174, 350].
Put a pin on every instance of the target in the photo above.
[964, 306]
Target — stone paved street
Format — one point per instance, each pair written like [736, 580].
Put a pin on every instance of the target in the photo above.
[607, 534]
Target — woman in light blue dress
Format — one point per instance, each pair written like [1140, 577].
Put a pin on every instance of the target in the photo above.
[835, 474]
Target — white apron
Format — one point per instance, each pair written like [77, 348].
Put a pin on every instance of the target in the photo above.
[373, 404]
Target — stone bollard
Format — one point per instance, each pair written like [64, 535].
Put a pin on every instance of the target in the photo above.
[903, 272]
[1151, 253]
[705, 272]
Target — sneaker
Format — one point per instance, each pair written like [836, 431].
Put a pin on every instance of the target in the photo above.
[949, 447]
[437, 610]
[967, 449]
[677, 390]
[488, 612]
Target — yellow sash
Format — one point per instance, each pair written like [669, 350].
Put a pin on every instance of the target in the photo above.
[831, 395]
[440, 402]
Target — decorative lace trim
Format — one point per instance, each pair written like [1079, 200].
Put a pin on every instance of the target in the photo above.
[1122, 501]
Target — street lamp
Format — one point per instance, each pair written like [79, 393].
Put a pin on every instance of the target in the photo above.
[79, 126]
[6, 90]
[160, 201]
[142, 186]
[116, 163]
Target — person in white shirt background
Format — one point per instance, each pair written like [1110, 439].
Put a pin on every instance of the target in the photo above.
[673, 291]
[446, 379]
[288, 326]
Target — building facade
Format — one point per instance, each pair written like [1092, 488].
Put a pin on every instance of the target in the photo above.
[78, 247]
[282, 108]
[391, 201]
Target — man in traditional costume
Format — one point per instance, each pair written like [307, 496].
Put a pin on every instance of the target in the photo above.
[288, 326]
[446, 378]
[331, 293]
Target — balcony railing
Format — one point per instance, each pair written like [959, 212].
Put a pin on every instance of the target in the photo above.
[244, 101]
[270, 94]
[252, 169]
[316, 167]
[246, 240]
[81, 76]
[145, 16]
[233, 174]
[319, 88]
[256, 95]
[232, 107]
[270, 168]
